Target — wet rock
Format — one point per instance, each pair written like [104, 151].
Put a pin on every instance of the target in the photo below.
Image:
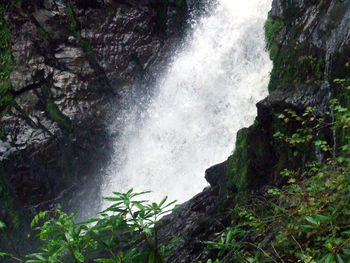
[215, 174]
[70, 61]
[57, 67]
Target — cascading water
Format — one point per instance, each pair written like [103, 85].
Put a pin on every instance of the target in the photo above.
[205, 95]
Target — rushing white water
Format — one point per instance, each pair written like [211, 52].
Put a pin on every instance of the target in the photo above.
[206, 94]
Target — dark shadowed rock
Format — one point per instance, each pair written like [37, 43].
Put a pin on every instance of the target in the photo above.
[71, 62]
[214, 174]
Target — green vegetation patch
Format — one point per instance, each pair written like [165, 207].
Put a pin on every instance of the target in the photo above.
[292, 68]
[57, 116]
[238, 163]
[292, 65]
[272, 28]
[6, 97]
[75, 29]
[342, 94]
[307, 219]
[109, 238]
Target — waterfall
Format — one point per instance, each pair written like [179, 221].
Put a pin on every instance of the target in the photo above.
[206, 94]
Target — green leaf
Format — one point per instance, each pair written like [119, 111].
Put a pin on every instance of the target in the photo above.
[106, 260]
[312, 220]
[78, 256]
[229, 236]
[339, 259]
[163, 201]
[38, 217]
[5, 255]
[281, 116]
[2, 225]
[329, 258]
[151, 258]
[39, 256]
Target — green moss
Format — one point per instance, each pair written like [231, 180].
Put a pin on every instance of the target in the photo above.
[86, 46]
[56, 115]
[54, 112]
[6, 97]
[291, 68]
[272, 28]
[293, 64]
[74, 28]
[238, 163]
[73, 23]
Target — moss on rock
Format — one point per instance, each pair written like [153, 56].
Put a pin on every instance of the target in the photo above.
[272, 28]
[6, 97]
[292, 66]
[86, 47]
[238, 163]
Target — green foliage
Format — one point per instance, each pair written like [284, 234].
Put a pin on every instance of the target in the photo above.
[312, 67]
[60, 234]
[342, 93]
[128, 221]
[272, 28]
[141, 218]
[238, 166]
[312, 207]
[315, 226]
[233, 243]
[229, 243]
[307, 220]
[56, 115]
[291, 67]
[309, 125]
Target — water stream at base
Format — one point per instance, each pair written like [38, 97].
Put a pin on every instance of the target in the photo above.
[206, 94]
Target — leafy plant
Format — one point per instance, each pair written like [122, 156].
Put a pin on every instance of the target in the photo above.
[142, 220]
[314, 206]
[116, 234]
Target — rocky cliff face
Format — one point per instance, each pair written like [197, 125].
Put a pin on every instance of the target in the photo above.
[65, 63]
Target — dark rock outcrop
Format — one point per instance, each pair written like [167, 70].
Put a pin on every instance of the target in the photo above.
[71, 61]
